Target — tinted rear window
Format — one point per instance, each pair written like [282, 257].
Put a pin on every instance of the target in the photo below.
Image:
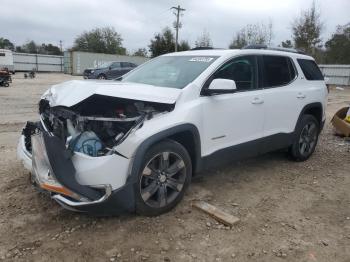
[278, 71]
[310, 69]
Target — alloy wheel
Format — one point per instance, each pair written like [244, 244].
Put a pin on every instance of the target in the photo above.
[307, 139]
[162, 179]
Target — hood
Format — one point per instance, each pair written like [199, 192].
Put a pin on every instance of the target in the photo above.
[72, 92]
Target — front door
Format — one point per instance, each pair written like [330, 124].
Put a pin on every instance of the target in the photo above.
[115, 70]
[234, 119]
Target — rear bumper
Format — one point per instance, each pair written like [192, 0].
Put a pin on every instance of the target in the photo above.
[77, 182]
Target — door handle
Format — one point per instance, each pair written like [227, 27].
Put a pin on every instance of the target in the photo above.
[301, 96]
[257, 101]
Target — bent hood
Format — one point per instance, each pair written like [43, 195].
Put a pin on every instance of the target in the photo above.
[72, 92]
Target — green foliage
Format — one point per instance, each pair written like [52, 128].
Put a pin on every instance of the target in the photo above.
[49, 49]
[100, 40]
[307, 30]
[140, 52]
[183, 46]
[6, 44]
[32, 48]
[287, 44]
[251, 34]
[162, 43]
[338, 47]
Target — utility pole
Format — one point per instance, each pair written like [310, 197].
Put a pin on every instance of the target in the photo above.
[61, 45]
[177, 23]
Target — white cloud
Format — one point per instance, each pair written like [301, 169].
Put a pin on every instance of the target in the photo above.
[138, 20]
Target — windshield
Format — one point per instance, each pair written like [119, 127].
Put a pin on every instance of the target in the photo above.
[170, 71]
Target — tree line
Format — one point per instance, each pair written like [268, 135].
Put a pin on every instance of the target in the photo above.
[306, 34]
[31, 47]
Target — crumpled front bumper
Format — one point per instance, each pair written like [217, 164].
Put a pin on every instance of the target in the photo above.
[77, 182]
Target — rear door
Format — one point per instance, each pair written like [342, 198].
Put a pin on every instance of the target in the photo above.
[281, 90]
[126, 67]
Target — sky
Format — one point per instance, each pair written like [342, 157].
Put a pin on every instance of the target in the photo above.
[49, 21]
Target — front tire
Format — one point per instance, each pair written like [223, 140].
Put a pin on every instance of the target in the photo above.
[165, 174]
[101, 77]
[306, 137]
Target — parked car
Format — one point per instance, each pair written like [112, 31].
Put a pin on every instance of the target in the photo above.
[110, 70]
[134, 144]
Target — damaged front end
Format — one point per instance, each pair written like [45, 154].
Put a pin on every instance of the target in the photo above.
[73, 151]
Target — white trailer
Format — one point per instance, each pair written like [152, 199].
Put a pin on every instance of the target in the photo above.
[6, 60]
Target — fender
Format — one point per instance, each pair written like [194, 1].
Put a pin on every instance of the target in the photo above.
[145, 145]
[308, 107]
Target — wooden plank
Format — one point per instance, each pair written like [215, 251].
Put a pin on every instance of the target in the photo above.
[218, 214]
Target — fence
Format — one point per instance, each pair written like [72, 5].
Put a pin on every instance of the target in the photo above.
[75, 62]
[41, 63]
[337, 74]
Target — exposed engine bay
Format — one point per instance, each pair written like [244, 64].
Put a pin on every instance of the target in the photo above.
[98, 124]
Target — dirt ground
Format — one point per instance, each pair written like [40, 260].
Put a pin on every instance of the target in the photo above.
[289, 211]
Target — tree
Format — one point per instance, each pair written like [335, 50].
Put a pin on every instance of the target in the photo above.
[338, 46]
[204, 40]
[30, 47]
[251, 34]
[49, 49]
[141, 52]
[6, 44]
[162, 43]
[183, 46]
[287, 44]
[100, 40]
[307, 30]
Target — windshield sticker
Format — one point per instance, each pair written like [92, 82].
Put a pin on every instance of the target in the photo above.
[201, 59]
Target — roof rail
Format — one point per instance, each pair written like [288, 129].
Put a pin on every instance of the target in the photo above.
[262, 46]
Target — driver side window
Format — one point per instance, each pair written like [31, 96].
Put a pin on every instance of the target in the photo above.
[243, 70]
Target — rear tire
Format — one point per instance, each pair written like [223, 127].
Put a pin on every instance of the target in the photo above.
[306, 137]
[165, 174]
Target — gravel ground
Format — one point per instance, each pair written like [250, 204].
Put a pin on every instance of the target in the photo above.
[289, 211]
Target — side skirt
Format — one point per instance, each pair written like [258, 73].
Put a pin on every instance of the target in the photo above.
[247, 150]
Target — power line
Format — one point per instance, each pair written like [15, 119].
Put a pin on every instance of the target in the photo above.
[177, 24]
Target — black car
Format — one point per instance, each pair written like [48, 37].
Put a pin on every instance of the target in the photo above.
[109, 70]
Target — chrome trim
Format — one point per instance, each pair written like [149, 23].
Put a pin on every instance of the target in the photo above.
[62, 200]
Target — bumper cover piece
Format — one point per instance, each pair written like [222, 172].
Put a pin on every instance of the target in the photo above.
[63, 168]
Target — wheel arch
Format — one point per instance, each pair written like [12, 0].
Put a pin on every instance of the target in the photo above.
[185, 134]
[314, 109]
[102, 74]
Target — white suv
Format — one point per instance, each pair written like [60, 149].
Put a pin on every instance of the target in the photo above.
[133, 144]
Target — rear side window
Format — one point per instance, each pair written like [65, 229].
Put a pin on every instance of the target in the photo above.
[115, 65]
[277, 70]
[310, 69]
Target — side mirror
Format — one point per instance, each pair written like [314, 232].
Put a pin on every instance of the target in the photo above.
[110, 68]
[221, 86]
